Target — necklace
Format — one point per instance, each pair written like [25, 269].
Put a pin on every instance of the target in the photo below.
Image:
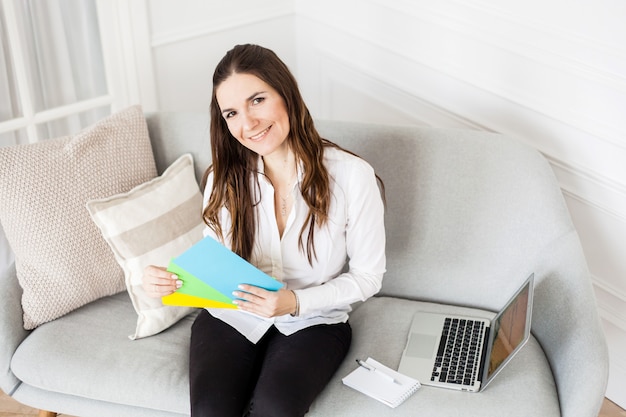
[284, 200]
[283, 205]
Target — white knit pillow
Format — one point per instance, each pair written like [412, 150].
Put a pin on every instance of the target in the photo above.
[149, 225]
[61, 259]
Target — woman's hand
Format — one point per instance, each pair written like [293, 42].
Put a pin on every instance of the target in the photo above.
[265, 303]
[157, 282]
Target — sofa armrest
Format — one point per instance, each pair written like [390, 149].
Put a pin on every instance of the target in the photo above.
[12, 331]
[567, 324]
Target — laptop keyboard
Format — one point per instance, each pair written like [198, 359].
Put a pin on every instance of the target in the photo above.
[457, 359]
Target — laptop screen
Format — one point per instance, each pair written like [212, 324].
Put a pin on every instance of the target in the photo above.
[511, 328]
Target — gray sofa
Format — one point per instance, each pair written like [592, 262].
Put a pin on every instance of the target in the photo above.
[469, 216]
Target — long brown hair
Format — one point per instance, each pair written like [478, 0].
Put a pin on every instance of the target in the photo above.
[234, 165]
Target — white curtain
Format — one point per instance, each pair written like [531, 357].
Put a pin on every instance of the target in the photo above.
[63, 61]
[9, 109]
[65, 58]
[63, 64]
[9, 103]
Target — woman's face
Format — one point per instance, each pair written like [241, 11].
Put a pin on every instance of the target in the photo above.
[255, 113]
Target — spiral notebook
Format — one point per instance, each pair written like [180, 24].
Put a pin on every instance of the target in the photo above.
[375, 380]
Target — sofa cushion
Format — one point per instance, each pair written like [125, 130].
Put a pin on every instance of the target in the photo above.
[149, 225]
[380, 325]
[61, 259]
[87, 354]
[525, 387]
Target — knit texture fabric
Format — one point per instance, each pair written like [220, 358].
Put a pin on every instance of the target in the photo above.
[61, 259]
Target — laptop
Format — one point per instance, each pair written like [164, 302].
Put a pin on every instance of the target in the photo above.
[436, 355]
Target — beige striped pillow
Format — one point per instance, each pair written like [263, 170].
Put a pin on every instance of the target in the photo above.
[148, 225]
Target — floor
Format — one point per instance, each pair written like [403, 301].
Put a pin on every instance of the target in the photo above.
[609, 409]
[11, 408]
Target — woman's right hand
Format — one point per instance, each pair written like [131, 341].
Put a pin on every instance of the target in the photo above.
[157, 282]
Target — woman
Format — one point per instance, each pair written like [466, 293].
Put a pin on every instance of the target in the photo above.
[298, 207]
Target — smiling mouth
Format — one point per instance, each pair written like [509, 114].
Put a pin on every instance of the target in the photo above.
[260, 135]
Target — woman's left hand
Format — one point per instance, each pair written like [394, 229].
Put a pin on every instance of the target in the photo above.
[265, 303]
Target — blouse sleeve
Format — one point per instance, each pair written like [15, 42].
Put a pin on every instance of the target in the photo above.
[365, 247]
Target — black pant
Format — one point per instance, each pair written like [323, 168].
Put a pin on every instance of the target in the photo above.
[279, 376]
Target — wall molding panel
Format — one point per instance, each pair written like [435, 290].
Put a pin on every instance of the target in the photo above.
[414, 108]
[616, 338]
[494, 111]
[464, 86]
[237, 21]
[579, 182]
[613, 306]
[189, 37]
[599, 192]
[530, 20]
[568, 51]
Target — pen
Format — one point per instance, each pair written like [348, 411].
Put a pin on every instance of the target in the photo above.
[372, 368]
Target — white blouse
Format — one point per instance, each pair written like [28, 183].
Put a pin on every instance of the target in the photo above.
[354, 233]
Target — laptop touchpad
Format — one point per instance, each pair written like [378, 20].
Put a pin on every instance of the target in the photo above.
[421, 345]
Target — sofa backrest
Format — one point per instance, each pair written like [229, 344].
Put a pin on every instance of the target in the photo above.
[175, 133]
[468, 213]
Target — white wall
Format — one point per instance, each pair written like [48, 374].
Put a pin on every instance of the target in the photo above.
[549, 72]
[188, 38]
